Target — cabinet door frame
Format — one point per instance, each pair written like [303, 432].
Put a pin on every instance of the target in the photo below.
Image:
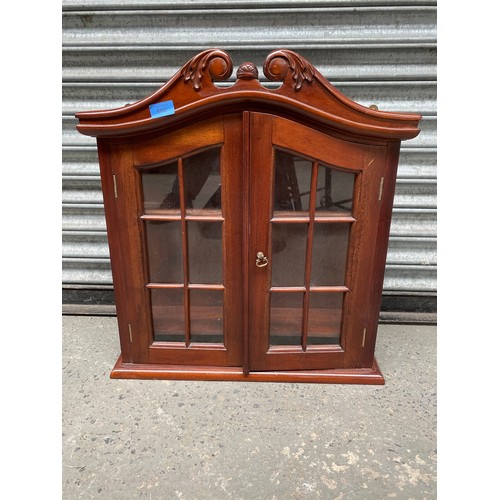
[368, 163]
[128, 219]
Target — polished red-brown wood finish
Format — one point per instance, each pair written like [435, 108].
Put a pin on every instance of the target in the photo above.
[185, 312]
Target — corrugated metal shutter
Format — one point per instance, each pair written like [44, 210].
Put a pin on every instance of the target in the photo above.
[375, 52]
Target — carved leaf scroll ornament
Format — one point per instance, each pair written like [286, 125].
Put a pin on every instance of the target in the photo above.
[218, 63]
[280, 62]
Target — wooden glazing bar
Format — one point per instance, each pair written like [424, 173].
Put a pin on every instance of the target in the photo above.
[204, 213]
[305, 318]
[325, 289]
[202, 286]
[185, 262]
[191, 217]
[290, 219]
[171, 286]
[161, 217]
[333, 218]
[191, 286]
[288, 289]
[202, 346]
[309, 250]
[205, 218]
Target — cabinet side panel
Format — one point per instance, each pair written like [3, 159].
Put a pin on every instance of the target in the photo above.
[363, 267]
[106, 154]
[386, 196]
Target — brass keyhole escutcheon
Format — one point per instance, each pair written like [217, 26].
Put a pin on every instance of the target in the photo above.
[261, 260]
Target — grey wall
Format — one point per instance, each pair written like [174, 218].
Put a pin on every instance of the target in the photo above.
[375, 52]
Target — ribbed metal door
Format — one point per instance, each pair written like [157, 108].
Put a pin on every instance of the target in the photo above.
[381, 53]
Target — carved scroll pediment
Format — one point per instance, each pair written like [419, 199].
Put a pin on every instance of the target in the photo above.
[304, 94]
[217, 65]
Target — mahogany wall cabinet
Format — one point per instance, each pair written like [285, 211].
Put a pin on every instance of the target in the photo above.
[248, 227]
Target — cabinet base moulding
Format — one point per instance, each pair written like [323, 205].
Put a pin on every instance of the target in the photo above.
[368, 376]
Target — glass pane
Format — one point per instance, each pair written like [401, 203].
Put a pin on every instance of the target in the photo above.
[205, 252]
[335, 190]
[329, 256]
[164, 251]
[289, 254]
[160, 189]
[206, 315]
[168, 314]
[202, 183]
[325, 318]
[286, 318]
[292, 183]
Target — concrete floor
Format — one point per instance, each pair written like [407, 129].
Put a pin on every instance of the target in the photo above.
[131, 439]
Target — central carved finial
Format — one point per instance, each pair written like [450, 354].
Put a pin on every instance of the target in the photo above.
[247, 71]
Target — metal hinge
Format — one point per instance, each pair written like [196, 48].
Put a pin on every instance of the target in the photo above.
[381, 189]
[115, 186]
[364, 338]
[130, 332]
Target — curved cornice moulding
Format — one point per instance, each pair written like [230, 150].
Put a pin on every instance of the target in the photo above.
[304, 94]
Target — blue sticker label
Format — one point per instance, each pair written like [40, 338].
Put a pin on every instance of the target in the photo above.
[162, 109]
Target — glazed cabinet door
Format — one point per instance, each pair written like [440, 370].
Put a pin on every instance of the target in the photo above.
[245, 240]
[313, 199]
[183, 251]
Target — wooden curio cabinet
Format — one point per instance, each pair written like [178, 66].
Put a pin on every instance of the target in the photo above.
[248, 227]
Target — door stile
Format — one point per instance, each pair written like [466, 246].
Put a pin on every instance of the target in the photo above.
[234, 237]
[246, 129]
[136, 329]
[260, 206]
